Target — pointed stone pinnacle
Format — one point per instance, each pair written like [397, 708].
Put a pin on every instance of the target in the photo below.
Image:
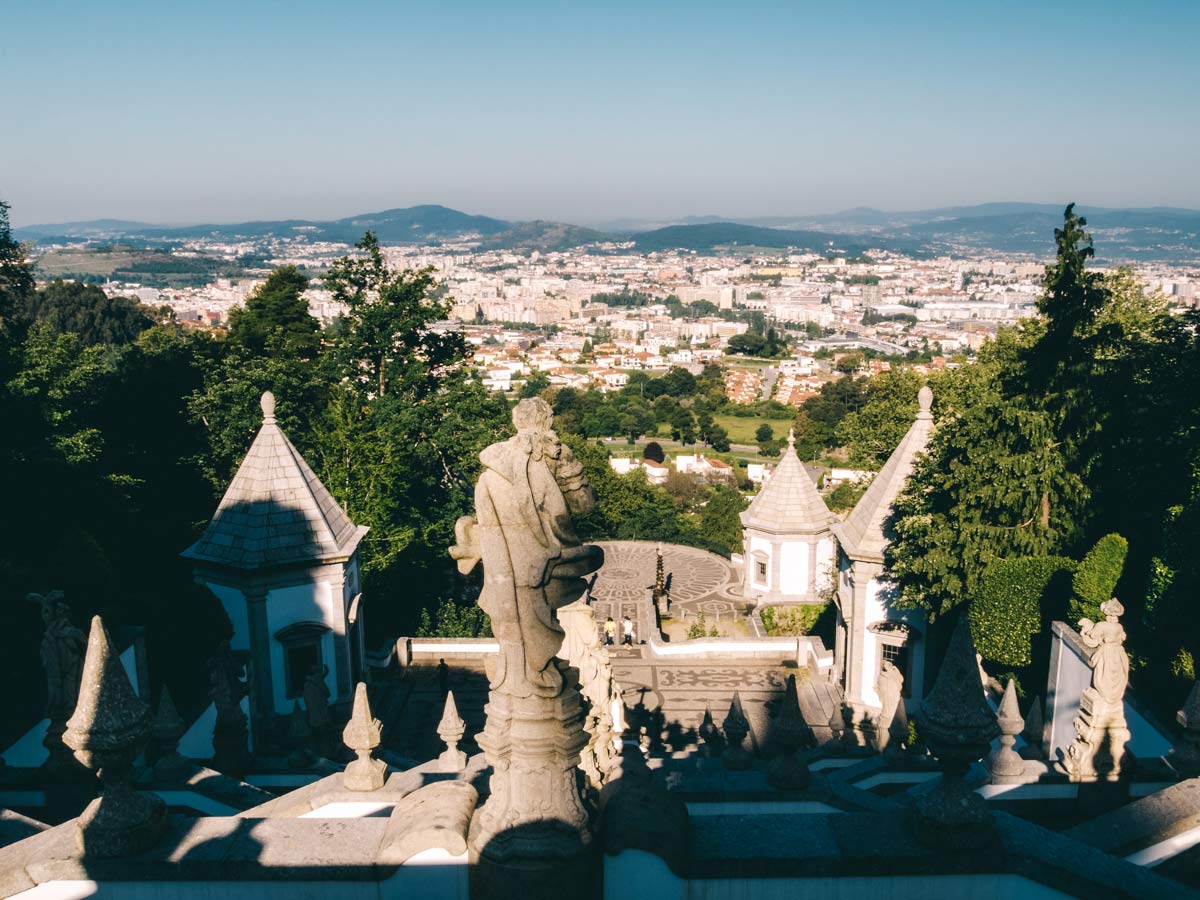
[1009, 714]
[956, 715]
[709, 733]
[451, 730]
[109, 716]
[167, 725]
[108, 729]
[790, 729]
[787, 771]
[362, 735]
[1005, 763]
[736, 728]
[958, 726]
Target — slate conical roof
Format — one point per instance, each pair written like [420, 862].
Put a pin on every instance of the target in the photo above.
[788, 503]
[861, 535]
[276, 511]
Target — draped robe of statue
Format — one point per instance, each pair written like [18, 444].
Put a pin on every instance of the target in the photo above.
[533, 564]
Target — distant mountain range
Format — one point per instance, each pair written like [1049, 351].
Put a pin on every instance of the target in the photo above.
[1159, 233]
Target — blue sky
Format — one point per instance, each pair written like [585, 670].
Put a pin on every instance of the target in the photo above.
[220, 111]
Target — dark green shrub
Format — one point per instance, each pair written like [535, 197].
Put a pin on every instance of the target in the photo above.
[1014, 599]
[1097, 577]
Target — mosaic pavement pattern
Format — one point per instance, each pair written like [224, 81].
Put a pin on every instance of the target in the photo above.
[700, 581]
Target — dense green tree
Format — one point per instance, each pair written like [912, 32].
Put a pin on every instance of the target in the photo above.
[85, 311]
[537, 382]
[387, 345]
[275, 318]
[720, 527]
[718, 439]
[993, 484]
[872, 432]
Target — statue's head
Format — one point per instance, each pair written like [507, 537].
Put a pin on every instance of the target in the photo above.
[1112, 609]
[533, 414]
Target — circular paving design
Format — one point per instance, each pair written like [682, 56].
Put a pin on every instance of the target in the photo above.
[696, 575]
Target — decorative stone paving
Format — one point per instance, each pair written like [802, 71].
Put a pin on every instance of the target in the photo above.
[700, 581]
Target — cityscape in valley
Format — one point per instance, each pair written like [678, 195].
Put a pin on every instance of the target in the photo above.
[747, 452]
[529, 310]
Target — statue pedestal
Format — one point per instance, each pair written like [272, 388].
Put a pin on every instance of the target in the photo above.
[536, 808]
[1100, 752]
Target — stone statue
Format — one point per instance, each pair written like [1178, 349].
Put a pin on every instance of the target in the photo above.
[892, 718]
[226, 690]
[533, 564]
[1100, 750]
[1110, 663]
[62, 650]
[316, 706]
[62, 653]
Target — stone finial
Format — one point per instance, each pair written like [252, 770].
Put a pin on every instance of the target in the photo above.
[1185, 755]
[736, 727]
[362, 735]
[108, 729]
[167, 729]
[787, 771]
[791, 440]
[709, 733]
[1034, 725]
[958, 726]
[1004, 763]
[925, 402]
[267, 402]
[451, 730]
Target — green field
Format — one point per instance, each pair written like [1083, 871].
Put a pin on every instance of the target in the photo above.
[61, 263]
[741, 430]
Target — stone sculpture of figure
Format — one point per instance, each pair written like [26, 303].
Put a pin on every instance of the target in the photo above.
[316, 707]
[1101, 748]
[533, 562]
[226, 690]
[533, 565]
[62, 650]
[226, 687]
[1110, 663]
[889, 687]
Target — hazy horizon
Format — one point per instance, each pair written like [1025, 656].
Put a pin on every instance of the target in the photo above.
[231, 112]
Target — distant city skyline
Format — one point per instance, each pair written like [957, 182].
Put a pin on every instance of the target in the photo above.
[229, 112]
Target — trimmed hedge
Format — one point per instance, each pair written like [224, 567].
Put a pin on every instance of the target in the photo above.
[1011, 603]
[1097, 577]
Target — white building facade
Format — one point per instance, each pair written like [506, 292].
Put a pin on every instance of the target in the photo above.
[282, 557]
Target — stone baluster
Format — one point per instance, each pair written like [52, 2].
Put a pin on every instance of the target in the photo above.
[108, 729]
[736, 728]
[362, 735]
[787, 771]
[958, 726]
[1004, 763]
[167, 729]
[451, 730]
